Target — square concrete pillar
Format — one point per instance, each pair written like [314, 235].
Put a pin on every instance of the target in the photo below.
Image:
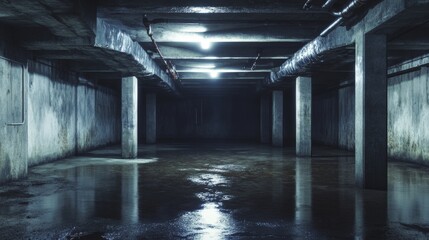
[265, 120]
[151, 118]
[277, 119]
[303, 116]
[371, 111]
[129, 117]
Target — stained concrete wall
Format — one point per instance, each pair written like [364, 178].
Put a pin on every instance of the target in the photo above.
[98, 117]
[408, 115]
[346, 118]
[51, 114]
[66, 116]
[211, 117]
[13, 138]
[325, 115]
[62, 115]
[289, 117]
[333, 121]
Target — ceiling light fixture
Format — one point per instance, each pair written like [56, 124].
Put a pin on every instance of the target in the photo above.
[206, 45]
[214, 74]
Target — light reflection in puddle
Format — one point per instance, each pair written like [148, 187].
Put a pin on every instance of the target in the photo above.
[228, 168]
[209, 179]
[208, 222]
[216, 196]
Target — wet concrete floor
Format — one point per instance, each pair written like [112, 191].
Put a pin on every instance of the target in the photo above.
[212, 191]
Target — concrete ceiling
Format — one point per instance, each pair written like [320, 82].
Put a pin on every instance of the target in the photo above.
[238, 32]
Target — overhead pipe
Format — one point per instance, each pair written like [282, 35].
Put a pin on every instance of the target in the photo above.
[348, 12]
[351, 9]
[308, 4]
[332, 26]
[309, 54]
[256, 60]
[170, 69]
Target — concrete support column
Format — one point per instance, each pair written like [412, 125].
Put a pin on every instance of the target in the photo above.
[151, 118]
[129, 117]
[303, 116]
[371, 111]
[265, 123]
[277, 126]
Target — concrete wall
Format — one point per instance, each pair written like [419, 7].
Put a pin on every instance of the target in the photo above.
[289, 117]
[325, 115]
[13, 139]
[62, 115]
[98, 117]
[65, 117]
[346, 118]
[334, 118]
[408, 115]
[51, 114]
[223, 117]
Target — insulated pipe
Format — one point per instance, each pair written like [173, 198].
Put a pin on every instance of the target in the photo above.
[171, 71]
[309, 54]
[308, 5]
[256, 60]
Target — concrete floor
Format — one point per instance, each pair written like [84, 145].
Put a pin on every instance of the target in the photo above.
[212, 191]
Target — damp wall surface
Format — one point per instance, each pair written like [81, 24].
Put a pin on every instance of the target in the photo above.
[208, 118]
[408, 115]
[13, 114]
[67, 115]
[61, 114]
[334, 118]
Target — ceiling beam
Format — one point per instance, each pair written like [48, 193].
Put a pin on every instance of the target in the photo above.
[119, 46]
[256, 34]
[221, 58]
[391, 10]
[223, 70]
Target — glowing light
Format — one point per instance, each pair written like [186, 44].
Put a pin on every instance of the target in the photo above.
[214, 74]
[206, 44]
[206, 66]
[194, 29]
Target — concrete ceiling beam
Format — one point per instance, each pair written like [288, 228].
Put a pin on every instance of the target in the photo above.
[385, 12]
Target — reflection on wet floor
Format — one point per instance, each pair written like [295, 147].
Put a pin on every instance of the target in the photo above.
[212, 191]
